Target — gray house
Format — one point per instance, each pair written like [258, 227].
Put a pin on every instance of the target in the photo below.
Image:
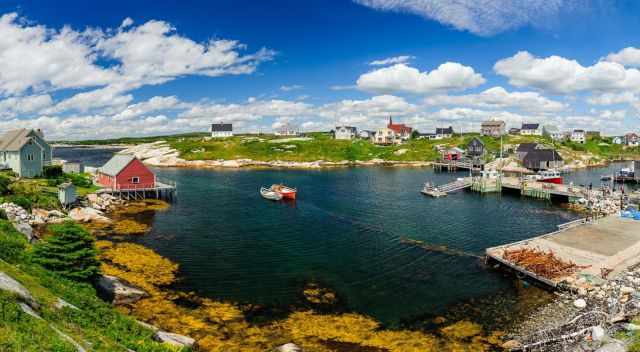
[25, 152]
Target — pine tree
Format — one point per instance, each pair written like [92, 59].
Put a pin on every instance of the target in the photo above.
[70, 251]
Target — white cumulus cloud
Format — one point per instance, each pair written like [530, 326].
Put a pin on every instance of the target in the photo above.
[449, 76]
[500, 98]
[628, 57]
[557, 74]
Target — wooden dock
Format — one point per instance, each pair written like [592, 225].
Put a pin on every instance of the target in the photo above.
[606, 245]
[455, 165]
[163, 190]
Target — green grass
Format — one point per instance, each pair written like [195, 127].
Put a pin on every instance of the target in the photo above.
[195, 146]
[96, 323]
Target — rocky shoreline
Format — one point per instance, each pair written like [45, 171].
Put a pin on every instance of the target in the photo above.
[597, 316]
[160, 154]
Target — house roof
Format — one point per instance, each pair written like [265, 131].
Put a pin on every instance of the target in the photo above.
[493, 123]
[399, 128]
[351, 128]
[530, 126]
[475, 141]
[114, 166]
[526, 147]
[14, 140]
[221, 127]
[538, 155]
[446, 130]
[578, 131]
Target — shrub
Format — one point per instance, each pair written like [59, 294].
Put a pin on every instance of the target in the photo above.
[52, 171]
[80, 180]
[4, 184]
[69, 251]
[3, 214]
[12, 244]
[24, 202]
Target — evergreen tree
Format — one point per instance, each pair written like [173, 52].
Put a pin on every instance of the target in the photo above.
[70, 251]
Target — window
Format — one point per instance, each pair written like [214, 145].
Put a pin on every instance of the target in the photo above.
[29, 157]
[135, 180]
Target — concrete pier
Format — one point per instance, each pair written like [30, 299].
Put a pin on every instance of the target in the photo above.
[611, 243]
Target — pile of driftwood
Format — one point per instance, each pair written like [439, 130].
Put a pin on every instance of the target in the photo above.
[541, 263]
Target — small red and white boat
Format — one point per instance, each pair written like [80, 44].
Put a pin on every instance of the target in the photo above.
[285, 191]
[550, 176]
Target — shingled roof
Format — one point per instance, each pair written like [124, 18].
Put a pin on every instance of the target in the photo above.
[114, 166]
[221, 127]
[14, 140]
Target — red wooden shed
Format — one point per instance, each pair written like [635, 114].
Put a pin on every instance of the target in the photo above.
[126, 172]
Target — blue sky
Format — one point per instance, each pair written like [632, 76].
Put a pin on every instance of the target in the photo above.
[83, 70]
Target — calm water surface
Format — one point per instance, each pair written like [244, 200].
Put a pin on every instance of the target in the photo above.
[345, 231]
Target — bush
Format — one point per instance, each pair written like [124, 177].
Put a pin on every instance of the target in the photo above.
[69, 251]
[3, 214]
[52, 171]
[80, 180]
[24, 202]
[12, 244]
[4, 184]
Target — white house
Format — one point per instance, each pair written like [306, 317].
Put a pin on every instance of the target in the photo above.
[385, 135]
[554, 133]
[631, 140]
[442, 133]
[221, 130]
[493, 128]
[287, 129]
[578, 136]
[618, 140]
[531, 129]
[345, 132]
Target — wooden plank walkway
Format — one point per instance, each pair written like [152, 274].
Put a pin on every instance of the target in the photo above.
[611, 243]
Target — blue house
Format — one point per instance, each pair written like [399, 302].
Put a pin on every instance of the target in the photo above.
[25, 152]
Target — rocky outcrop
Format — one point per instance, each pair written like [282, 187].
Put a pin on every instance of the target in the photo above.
[161, 154]
[103, 201]
[288, 347]
[62, 304]
[42, 216]
[173, 339]
[87, 214]
[20, 219]
[118, 291]
[9, 284]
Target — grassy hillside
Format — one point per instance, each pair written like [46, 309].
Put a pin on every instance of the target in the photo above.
[322, 146]
[95, 323]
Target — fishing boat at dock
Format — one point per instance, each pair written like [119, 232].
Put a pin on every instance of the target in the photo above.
[269, 194]
[550, 176]
[285, 191]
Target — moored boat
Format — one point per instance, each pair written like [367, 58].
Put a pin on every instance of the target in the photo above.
[550, 176]
[284, 191]
[269, 194]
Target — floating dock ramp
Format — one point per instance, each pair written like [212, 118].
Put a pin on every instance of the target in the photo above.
[608, 245]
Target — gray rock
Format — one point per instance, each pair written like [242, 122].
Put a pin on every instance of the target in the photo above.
[119, 291]
[288, 347]
[597, 333]
[631, 327]
[25, 308]
[7, 283]
[174, 339]
[25, 229]
[612, 347]
[579, 303]
[61, 304]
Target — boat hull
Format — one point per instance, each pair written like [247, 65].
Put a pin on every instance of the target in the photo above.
[284, 191]
[556, 180]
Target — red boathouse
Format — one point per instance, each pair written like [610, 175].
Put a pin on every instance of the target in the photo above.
[125, 172]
